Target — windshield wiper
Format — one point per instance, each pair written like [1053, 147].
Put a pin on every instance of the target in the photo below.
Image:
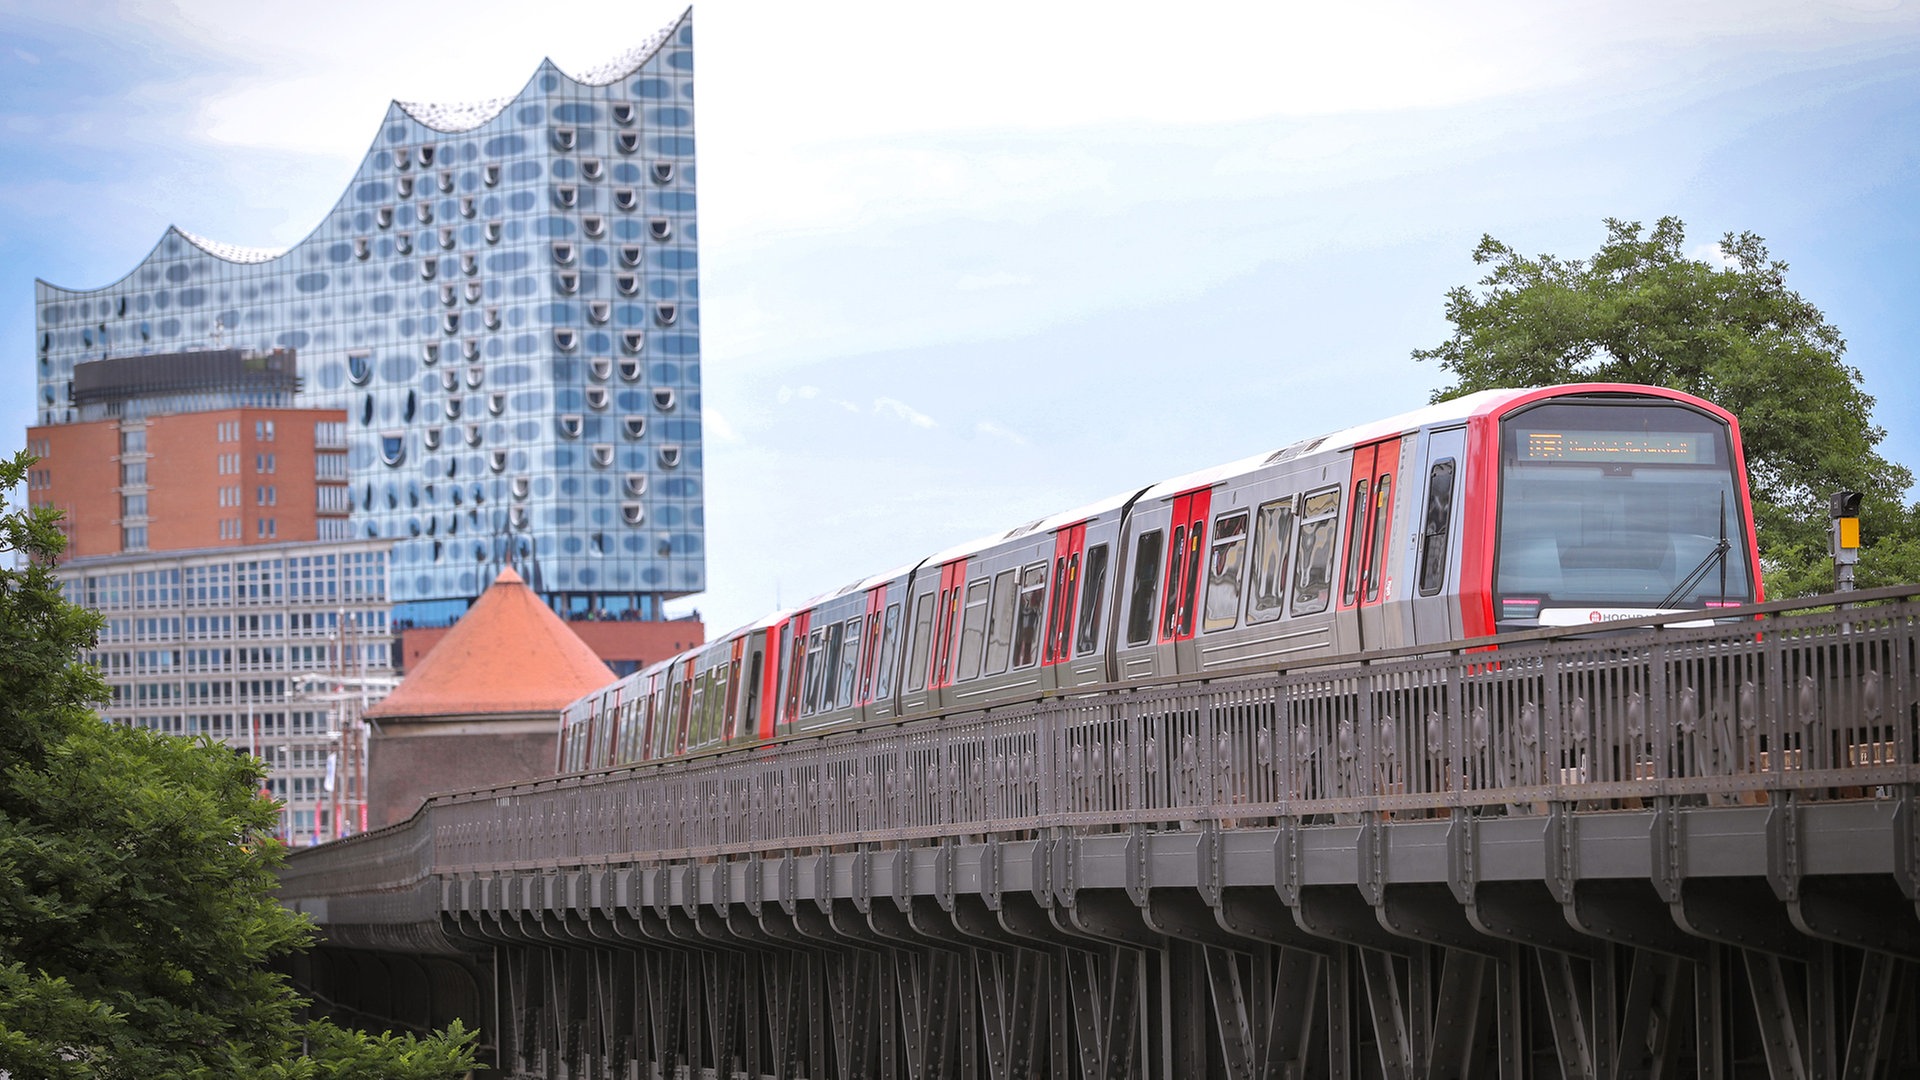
[1718, 554]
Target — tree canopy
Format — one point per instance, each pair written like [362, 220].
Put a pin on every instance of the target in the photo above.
[136, 876]
[1725, 328]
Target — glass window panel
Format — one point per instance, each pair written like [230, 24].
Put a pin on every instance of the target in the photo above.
[922, 631]
[1433, 532]
[1000, 625]
[1092, 594]
[973, 631]
[1033, 603]
[1146, 582]
[1225, 565]
[1272, 531]
[1313, 568]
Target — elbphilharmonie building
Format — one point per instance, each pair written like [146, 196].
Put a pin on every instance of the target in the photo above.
[505, 303]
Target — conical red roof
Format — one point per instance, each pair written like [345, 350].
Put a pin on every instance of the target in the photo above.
[508, 654]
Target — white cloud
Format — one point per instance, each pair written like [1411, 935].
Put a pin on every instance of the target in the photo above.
[797, 393]
[715, 427]
[993, 430]
[887, 406]
[1712, 253]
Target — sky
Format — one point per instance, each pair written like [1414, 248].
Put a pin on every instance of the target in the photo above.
[966, 265]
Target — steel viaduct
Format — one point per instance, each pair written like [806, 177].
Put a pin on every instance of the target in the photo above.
[1667, 850]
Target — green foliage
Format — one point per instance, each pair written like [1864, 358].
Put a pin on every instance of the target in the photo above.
[136, 876]
[1642, 311]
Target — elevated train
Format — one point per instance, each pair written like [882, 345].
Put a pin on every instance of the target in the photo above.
[1503, 510]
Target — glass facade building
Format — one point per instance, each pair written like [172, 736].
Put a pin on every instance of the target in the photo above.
[275, 650]
[505, 302]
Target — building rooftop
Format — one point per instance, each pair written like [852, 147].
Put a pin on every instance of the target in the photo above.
[508, 655]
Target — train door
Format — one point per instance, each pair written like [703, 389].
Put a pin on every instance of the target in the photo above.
[1180, 593]
[1068, 545]
[1435, 587]
[917, 653]
[611, 748]
[793, 654]
[1369, 524]
[865, 693]
[946, 626]
[732, 722]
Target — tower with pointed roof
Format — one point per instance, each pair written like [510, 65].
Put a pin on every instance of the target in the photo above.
[504, 303]
[483, 708]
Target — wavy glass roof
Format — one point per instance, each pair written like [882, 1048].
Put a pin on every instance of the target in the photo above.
[453, 118]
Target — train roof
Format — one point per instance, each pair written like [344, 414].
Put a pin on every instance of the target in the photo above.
[1457, 409]
[1036, 527]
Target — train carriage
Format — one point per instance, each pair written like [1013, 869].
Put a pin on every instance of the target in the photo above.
[1498, 511]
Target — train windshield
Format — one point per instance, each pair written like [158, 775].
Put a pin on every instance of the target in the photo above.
[1614, 509]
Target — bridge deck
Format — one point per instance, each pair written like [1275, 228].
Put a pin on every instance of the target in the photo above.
[1656, 796]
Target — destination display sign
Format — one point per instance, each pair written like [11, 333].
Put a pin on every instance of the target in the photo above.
[1615, 447]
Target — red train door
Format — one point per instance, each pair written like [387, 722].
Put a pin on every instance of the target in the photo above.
[1364, 581]
[1186, 552]
[946, 620]
[870, 644]
[611, 753]
[793, 649]
[731, 720]
[1067, 549]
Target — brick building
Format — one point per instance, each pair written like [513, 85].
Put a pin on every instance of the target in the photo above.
[236, 465]
[483, 708]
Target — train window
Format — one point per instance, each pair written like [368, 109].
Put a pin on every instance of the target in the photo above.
[1033, 603]
[973, 631]
[1092, 588]
[816, 644]
[850, 662]
[1272, 528]
[709, 713]
[716, 704]
[1225, 565]
[830, 667]
[1000, 625]
[1382, 513]
[922, 630]
[883, 682]
[1313, 568]
[1146, 582]
[1433, 534]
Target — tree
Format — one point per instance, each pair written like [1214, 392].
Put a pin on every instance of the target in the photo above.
[1729, 330]
[136, 875]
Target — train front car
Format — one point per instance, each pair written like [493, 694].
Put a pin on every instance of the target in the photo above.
[1601, 502]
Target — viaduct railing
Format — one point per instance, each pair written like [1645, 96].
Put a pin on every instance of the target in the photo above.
[1769, 699]
[1653, 849]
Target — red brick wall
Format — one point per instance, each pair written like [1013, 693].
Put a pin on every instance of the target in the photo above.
[184, 480]
[84, 463]
[407, 763]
